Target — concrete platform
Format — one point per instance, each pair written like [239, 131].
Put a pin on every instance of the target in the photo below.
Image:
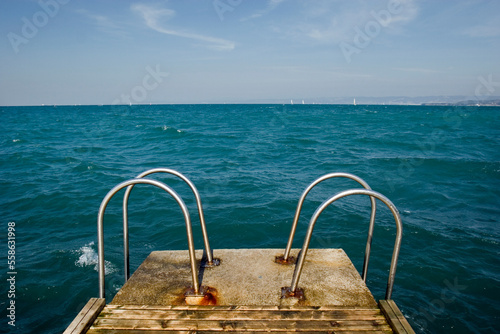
[248, 277]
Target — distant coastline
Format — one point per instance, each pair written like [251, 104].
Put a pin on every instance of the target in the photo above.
[491, 101]
[468, 103]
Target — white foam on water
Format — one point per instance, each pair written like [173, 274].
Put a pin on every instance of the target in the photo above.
[89, 257]
[169, 128]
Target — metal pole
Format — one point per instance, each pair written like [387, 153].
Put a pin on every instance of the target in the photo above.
[323, 206]
[372, 216]
[100, 229]
[126, 255]
[200, 213]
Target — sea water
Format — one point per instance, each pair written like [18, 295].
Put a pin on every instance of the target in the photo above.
[440, 166]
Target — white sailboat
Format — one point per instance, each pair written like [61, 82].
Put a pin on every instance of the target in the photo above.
[291, 101]
[354, 103]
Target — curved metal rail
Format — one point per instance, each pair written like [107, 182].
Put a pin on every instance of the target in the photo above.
[372, 217]
[210, 260]
[100, 229]
[323, 206]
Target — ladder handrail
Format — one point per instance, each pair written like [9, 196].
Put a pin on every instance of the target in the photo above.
[200, 213]
[370, 228]
[100, 230]
[323, 206]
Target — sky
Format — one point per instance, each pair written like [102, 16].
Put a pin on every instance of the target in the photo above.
[218, 51]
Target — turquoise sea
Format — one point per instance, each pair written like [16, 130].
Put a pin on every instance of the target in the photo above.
[439, 165]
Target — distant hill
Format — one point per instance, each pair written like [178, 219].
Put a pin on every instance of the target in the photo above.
[488, 103]
[456, 100]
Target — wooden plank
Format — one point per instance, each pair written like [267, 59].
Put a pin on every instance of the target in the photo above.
[241, 315]
[395, 318]
[86, 317]
[237, 325]
[133, 331]
[238, 307]
[189, 319]
[402, 319]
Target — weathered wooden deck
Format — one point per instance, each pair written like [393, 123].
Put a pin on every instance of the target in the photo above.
[122, 319]
[247, 296]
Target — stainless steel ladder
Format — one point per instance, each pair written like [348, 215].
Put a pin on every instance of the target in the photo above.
[294, 290]
[286, 256]
[210, 260]
[196, 289]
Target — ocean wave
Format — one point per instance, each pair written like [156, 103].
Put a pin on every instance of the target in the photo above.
[88, 257]
[170, 129]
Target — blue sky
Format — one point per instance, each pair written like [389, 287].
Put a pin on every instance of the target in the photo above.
[120, 51]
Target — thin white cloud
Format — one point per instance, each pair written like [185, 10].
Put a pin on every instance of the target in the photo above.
[271, 5]
[409, 11]
[103, 23]
[333, 21]
[152, 16]
[416, 69]
[488, 29]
